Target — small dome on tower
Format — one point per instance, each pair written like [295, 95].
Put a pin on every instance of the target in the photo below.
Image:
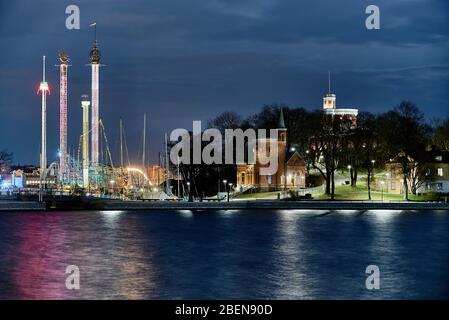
[63, 57]
[95, 54]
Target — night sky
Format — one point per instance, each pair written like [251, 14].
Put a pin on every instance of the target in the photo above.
[184, 60]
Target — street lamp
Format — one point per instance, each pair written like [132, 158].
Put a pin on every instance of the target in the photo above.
[190, 195]
[224, 182]
[292, 149]
[229, 189]
[382, 188]
[350, 173]
[372, 170]
[112, 182]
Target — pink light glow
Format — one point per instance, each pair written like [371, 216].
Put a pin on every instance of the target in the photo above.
[44, 87]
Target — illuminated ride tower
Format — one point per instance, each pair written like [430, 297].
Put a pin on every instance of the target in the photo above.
[43, 90]
[63, 167]
[95, 56]
[85, 103]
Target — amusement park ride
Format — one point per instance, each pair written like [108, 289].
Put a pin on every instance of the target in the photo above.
[92, 173]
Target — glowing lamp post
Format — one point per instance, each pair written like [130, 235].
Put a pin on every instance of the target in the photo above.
[382, 188]
[229, 189]
[350, 173]
[190, 194]
[112, 182]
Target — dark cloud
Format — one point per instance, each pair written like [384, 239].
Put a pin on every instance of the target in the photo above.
[182, 60]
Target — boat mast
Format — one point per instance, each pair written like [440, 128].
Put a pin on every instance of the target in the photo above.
[144, 139]
[121, 144]
[167, 182]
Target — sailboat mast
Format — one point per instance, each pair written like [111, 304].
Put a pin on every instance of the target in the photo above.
[121, 143]
[144, 139]
[167, 182]
[158, 170]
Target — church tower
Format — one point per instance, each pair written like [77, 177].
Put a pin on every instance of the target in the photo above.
[282, 150]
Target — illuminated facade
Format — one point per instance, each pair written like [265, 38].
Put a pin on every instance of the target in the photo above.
[430, 176]
[345, 114]
[291, 172]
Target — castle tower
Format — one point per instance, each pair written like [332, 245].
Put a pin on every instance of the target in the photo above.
[330, 101]
[346, 116]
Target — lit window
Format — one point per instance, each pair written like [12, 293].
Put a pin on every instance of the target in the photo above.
[440, 172]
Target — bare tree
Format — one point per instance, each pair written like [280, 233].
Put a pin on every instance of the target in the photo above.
[406, 135]
[5, 161]
[226, 120]
[441, 136]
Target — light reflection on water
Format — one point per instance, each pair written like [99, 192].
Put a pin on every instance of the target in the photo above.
[232, 254]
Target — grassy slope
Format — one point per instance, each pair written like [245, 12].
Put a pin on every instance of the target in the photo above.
[360, 192]
[259, 195]
[346, 192]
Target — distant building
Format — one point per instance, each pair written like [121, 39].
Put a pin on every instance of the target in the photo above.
[291, 171]
[5, 182]
[22, 180]
[343, 114]
[33, 181]
[18, 179]
[432, 175]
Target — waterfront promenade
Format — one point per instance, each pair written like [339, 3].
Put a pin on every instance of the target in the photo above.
[8, 205]
[232, 205]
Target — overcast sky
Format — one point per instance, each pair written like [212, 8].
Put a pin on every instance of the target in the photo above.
[184, 60]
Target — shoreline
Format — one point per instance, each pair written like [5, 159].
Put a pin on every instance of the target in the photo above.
[111, 205]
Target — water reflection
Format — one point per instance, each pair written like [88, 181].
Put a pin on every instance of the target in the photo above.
[110, 255]
[233, 254]
[291, 262]
[39, 270]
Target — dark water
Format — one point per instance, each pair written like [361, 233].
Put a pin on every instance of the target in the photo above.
[293, 254]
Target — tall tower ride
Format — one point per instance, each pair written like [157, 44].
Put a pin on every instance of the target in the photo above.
[95, 56]
[64, 60]
[43, 90]
[85, 103]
